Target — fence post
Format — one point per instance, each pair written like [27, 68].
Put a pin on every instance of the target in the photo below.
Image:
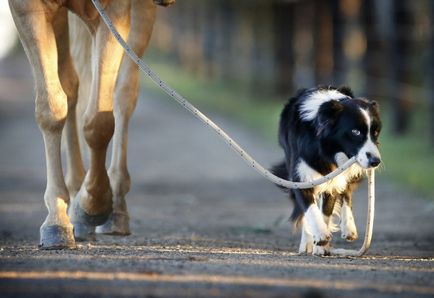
[323, 43]
[400, 70]
[283, 39]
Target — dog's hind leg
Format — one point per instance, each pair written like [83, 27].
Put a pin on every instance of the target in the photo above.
[34, 21]
[125, 99]
[348, 226]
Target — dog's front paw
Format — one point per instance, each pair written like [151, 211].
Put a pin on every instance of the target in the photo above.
[317, 227]
[306, 243]
[321, 250]
[305, 248]
[349, 233]
[322, 238]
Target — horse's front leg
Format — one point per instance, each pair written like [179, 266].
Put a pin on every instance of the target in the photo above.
[93, 203]
[127, 89]
[34, 21]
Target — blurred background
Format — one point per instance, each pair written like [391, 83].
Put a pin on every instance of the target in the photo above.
[245, 58]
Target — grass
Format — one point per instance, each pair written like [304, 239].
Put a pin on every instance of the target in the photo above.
[408, 160]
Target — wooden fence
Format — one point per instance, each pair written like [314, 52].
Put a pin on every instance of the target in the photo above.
[382, 49]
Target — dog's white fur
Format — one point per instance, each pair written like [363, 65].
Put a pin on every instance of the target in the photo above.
[309, 109]
[369, 145]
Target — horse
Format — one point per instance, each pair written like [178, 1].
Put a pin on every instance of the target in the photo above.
[76, 62]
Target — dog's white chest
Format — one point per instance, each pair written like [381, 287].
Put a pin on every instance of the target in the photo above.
[335, 185]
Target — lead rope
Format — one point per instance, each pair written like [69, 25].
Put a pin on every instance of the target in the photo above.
[234, 145]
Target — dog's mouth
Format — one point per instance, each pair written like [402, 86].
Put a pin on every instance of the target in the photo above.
[164, 3]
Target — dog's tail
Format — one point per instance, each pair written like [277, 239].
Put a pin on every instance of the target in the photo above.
[281, 171]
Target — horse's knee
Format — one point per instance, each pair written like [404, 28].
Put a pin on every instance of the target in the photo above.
[51, 109]
[99, 129]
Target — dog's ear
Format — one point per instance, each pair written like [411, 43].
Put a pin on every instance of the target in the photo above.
[346, 91]
[374, 106]
[327, 115]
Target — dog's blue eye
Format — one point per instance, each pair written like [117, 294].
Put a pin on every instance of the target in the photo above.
[356, 132]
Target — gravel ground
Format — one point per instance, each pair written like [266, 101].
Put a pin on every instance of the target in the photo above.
[203, 224]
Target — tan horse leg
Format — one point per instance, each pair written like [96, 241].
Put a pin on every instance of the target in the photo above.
[69, 79]
[34, 23]
[127, 88]
[93, 203]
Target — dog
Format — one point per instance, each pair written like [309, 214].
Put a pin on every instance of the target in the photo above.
[320, 129]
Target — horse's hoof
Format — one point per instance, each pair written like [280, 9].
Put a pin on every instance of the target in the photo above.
[84, 224]
[57, 237]
[117, 224]
[79, 216]
[84, 232]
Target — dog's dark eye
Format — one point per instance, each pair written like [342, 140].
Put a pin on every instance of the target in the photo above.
[376, 133]
[356, 132]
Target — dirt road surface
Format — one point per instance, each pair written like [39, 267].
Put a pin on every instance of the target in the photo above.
[203, 224]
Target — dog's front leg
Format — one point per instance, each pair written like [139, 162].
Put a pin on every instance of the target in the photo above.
[306, 242]
[313, 221]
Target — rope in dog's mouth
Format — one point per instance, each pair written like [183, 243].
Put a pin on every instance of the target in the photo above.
[238, 149]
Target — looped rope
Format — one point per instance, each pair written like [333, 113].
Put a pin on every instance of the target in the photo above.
[237, 148]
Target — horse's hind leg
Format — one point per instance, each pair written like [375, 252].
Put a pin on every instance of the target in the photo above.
[34, 23]
[93, 203]
[127, 88]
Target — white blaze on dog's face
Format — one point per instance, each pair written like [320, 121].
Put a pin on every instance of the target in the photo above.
[369, 155]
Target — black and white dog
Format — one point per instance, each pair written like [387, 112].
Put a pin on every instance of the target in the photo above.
[320, 129]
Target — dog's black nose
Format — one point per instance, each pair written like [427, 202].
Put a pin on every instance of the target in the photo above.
[373, 160]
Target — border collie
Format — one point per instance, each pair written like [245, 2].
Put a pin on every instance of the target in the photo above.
[320, 129]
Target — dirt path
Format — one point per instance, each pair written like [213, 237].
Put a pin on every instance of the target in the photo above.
[203, 224]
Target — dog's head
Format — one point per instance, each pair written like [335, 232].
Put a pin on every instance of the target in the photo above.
[350, 126]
